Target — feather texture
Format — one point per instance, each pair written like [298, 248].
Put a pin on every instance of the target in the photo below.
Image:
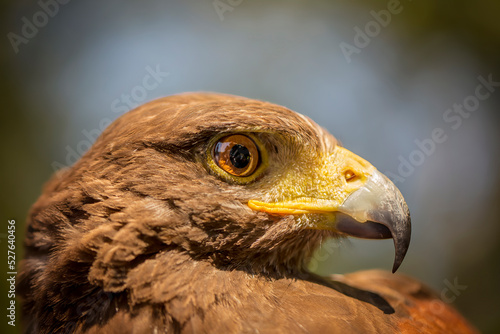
[139, 236]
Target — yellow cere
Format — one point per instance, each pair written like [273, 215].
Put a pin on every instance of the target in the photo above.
[316, 184]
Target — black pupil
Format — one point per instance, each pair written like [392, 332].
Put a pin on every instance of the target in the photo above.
[239, 156]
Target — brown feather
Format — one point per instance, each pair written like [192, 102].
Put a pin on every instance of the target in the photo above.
[140, 237]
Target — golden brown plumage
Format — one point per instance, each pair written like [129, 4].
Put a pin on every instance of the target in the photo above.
[147, 234]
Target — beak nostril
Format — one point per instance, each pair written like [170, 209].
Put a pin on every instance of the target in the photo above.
[349, 175]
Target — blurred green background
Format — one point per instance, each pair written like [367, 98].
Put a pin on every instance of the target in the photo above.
[379, 75]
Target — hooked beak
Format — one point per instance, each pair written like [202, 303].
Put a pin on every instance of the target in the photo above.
[378, 211]
[370, 208]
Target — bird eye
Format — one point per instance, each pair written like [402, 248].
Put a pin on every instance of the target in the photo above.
[237, 155]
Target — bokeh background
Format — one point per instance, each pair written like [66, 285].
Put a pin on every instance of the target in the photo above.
[84, 63]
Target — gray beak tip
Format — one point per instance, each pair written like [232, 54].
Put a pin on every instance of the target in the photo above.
[378, 211]
[401, 243]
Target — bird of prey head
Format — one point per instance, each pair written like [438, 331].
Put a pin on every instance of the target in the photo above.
[234, 183]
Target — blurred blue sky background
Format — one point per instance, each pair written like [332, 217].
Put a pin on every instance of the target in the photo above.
[70, 78]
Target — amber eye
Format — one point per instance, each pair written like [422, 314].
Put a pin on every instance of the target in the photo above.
[236, 154]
